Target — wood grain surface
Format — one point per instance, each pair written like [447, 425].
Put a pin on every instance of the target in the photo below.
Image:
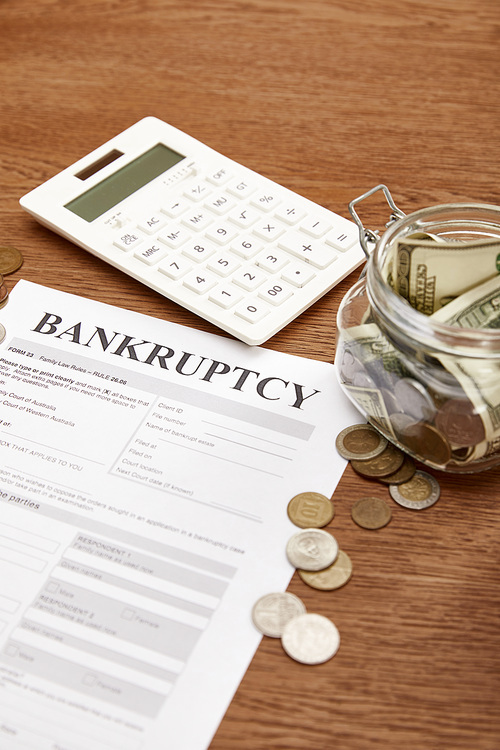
[328, 98]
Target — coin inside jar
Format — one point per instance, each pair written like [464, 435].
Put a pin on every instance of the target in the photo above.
[360, 441]
[458, 420]
[310, 510]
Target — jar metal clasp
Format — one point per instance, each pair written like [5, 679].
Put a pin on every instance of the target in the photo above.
[368, 237]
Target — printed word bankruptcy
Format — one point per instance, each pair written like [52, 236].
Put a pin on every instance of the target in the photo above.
[271, 388]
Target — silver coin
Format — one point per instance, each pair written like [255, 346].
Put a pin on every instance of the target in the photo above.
[413, 399]
[3, 333]
[360, 441]
[310, 639]
[272, 611]
[420, 492]
[312, 549]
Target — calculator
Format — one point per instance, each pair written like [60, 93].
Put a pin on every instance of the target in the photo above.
[221, 240]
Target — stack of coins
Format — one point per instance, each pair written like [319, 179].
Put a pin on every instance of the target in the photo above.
[309, 638]
[10, 260]
[372, 457]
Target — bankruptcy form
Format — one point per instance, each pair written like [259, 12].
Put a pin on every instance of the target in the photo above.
[145, 472]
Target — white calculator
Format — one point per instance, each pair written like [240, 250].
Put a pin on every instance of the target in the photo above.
[208, 233]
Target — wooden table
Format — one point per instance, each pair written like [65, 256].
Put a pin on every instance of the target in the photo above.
[328, 98]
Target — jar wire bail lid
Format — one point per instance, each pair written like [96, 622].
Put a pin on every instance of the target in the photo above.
[367, 236]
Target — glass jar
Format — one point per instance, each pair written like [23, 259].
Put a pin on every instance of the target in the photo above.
[431, 388]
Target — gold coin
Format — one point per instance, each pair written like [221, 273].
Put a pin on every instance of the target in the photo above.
[427, 443]
[336, 575]
[310, 510]
[10, 259]
[360, 441]
[382, 465]
[371, 513]
[403, 474]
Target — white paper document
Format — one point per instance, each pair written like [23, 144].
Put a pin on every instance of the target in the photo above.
[145, 472]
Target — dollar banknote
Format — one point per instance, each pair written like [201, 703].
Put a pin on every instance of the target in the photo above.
[477, 308]
[430, 274]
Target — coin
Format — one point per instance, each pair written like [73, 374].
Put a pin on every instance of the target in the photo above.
[336, 575]
[312, 549]
[385, 463]
[371, 513]
[310, 510]
[413, 397]
[2, 333]
[458, 420]
[403, 474]
[4, 294]
[310, 639]
[360, 441]
[10, 259]
[427, 443]
[272, 611]
[420, 492]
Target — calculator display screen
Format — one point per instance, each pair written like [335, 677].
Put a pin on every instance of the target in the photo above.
[125, 181]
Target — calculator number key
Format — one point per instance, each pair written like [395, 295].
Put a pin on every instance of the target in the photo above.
[175, 268]
[199, 281]
[198, 251]
[249, 278]
[222, 233]
[246, 247]
[225, 297]
[276, 293]
[222, 265]
[272, 260]
[252, 311]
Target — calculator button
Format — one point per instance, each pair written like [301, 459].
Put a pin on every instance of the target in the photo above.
[220, 204]
[198, 251]
[268, 230]
[128, 239]
[252, 311]
[152, 223]
[199, 281]
[244, 217]
[151, 254]
[223, 265]
[220, 177]
[197, 191]
[276, 293]
[198, 220]
[249, 278]
[298, 274]
[342, 239]
[312, 251]
[266, 201]
[290, 214]
[222, 233]
[176, 267]
[241, 188]
[315, 227]
[225, 296]
[246, 246]
[175, 208]
[272, 260]
[174, 236]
